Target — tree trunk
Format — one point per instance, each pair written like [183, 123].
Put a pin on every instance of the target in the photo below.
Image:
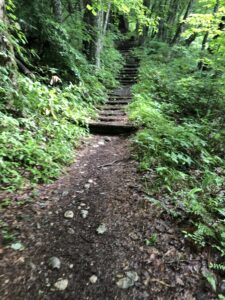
[162, 22]
[171, 18]
[190, 39]
[57, 10]
[102, 23]
[181, 25]
[2, 9]
[100, 20]
[7, 57]
[89, 21]
[205, 38]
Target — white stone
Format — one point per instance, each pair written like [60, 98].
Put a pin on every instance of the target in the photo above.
[69, 214]
[54, 262]
[101, 229]
[93, 279]
[61, 284]
[84, 213]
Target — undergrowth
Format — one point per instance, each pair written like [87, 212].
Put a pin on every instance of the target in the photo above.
[180, 145]
[40, 123]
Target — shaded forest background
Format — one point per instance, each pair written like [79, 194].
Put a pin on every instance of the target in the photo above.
[59, 58]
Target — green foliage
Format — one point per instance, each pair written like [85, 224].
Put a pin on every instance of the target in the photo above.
[7, 235]
[41, 124]
[111, 62]
[40, 127]
[211, 278]
[152, 240]
[180, 111]
[218, 267]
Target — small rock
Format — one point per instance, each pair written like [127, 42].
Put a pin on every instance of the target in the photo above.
[87, 186]
[71, 266]
[101, 229]
[84, 213]
[54, 262]
[132, 275]
[101, 143]
[69, 214]
[107, 139]
[90, 181]
[61, 284]
[125, 283]
[71, 231]
[65, 193]
[32, 265]
[43, 205]
[133, 236]
[128, 281]
[17, 246]
[93, 279]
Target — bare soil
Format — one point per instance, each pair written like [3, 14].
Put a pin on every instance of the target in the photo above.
[105, 181]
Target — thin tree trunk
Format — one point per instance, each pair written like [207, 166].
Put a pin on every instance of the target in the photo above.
[57, 10]
[171, 18]
[107, 19]
[102, 24]
[190, 39]
[2, 9]
[99, 39]
[89, 46]
[7, 57]
[181, 25]
[205, 38]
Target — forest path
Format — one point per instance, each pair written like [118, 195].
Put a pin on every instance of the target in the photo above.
[112, 117]
[103, 188]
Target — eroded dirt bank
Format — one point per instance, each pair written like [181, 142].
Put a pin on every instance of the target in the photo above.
[102, 188]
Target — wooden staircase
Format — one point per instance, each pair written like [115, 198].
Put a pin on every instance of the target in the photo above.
[112, 118]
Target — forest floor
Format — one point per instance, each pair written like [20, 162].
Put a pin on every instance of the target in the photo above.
[102, 188]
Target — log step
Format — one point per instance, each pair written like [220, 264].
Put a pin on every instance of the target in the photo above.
[116, 102]
[111, 119]
[110, 129]
[112, 113]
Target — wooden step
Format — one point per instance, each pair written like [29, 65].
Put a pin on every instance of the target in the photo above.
[111, 119]
[129, 72]
[111, 128]
[112, 113]
[116, 102]
[119, 97]
[114, 107]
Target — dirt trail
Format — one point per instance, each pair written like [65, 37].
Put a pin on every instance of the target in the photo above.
[104, 181]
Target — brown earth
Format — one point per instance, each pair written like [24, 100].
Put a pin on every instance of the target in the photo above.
[105, 182]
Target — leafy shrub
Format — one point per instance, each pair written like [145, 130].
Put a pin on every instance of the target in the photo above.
[180, 112]
[40, 127]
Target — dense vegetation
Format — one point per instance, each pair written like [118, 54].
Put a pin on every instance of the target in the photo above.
[59, 57]
[49, 88]
[179, 101]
